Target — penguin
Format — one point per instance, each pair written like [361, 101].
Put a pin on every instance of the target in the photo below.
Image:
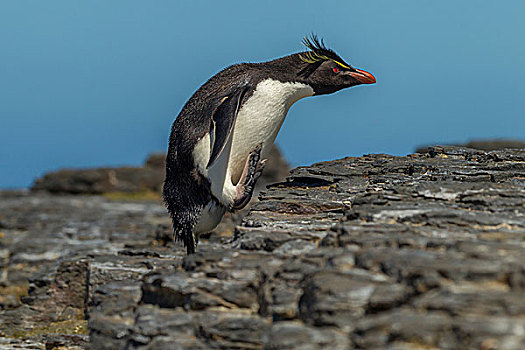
[219, 140]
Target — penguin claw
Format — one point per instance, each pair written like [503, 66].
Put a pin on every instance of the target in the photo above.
[252, 172]
[253, 160]
[260, 168]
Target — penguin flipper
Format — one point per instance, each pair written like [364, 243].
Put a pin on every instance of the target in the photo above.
[223, 120]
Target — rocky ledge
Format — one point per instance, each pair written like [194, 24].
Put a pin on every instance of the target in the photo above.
[418, 252]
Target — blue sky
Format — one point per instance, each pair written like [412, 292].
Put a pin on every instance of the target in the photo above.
[98, 83]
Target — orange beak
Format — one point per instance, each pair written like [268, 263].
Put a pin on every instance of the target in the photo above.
[363, 77]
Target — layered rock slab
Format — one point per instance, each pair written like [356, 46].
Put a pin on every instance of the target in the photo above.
[423, 251]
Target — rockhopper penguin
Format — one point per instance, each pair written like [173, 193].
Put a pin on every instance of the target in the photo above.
[220, 139]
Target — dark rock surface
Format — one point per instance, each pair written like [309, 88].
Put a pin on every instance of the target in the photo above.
[148, 178]
[425, 251]
[484, 145]
[102, 180]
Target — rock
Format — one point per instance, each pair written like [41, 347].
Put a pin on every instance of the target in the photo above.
[139, 180]
[294, 335]
[157, 328]
[233, 330]
[112, 314]
[484, 145]
[70, 342]
[4, 263]
[416, 252]
[331, 298]
[18, 344]
[156, 160]
[98, 181]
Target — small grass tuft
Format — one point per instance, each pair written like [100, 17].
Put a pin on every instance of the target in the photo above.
[74, 327]
[133, 196]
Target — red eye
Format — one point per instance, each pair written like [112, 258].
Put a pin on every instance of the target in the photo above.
[336, 70]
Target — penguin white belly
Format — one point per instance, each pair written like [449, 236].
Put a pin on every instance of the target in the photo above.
[210, 217]
[258, 122]
[260, 119]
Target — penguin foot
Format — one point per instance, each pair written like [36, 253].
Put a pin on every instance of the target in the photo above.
[251, 173]
[183, 231]
[191, 243]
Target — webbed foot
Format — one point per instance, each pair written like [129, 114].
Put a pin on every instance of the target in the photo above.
[251, 173]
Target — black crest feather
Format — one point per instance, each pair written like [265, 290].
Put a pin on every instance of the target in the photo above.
[319, 52]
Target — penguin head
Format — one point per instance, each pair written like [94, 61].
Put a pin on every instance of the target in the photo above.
[325, 71]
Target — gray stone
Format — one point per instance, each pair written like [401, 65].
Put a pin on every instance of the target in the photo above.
[295, 335]
[148, 178]
[416, 252]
